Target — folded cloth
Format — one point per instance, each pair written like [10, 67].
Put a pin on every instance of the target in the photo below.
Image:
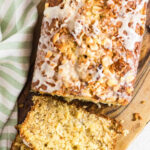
[17, 20]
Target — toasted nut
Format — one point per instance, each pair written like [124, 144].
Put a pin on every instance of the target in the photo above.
[94, 47]
[112, 99]
[62, 48]
[106, 61]
[136, 116]
[86, 92]
[131, 4]
[95, 10]
[96, 7]
[129, 90]
[130, 78]
[119, 24]
[107, 43]
[116, 88]
[89, 40]
[64, 61]
[139, 29]
[130, 24]
[55, 37]
[143, 11]
[121, 100]
[49, 54]
[106, 72]
[102, 42]
[125, 132]
[88, 13]
[46, 5]
[112, 82]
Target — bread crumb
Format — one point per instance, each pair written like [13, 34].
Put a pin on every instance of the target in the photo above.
[125, 132]
[142, 102]
[121, 121]
[136, 116]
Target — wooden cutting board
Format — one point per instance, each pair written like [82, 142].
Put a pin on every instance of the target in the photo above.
[141, 93]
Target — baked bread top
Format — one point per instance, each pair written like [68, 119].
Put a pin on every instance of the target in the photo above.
[53, 124]
[89, 49]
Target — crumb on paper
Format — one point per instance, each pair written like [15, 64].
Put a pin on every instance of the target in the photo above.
[136, 116]
[142, 102]
[125, 132]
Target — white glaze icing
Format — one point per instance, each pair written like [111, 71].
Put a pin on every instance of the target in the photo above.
[78, 25]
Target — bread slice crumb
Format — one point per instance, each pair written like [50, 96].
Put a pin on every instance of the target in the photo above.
[54, 124]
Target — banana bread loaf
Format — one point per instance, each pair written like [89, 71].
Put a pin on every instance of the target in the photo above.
[89, 49]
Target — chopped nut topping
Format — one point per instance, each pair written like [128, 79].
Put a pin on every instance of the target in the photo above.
[112, 82]
[46, 5]
[49, 54]
[136, 116]
[79, 35]
[55, 38]
[126, 132]
[106, 61]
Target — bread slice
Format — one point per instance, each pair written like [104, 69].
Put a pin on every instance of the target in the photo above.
[89, 49]
[56, 125]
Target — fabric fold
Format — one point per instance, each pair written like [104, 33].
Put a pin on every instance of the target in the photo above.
[17, 21]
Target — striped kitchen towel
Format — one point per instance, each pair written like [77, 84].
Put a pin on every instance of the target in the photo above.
[17, 20]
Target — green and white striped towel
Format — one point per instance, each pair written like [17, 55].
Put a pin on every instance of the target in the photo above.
[17, 20]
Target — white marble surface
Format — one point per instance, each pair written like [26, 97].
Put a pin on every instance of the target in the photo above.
[142, 141]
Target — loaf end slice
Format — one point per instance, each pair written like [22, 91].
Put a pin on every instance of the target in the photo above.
[54, 124]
